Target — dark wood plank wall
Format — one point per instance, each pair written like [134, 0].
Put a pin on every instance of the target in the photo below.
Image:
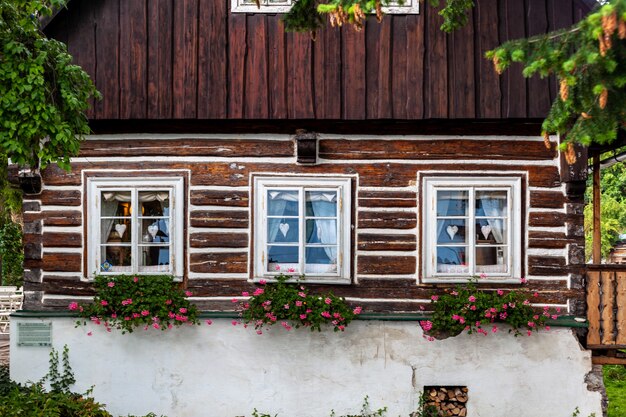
[193, 59]
[386, 211]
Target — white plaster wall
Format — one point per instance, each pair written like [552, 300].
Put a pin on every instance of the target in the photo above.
[226, 371]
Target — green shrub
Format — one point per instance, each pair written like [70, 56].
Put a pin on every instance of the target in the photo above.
[126, 302]
[11, 254]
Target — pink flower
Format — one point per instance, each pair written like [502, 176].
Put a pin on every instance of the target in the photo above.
[494, 329]
[461, 320]
[483, 276]
[455, 317]
[145, 313]
[135, 279]
[327, 300]
[113, 316]
[302, 316]
[548, 328]
[454, 293]
[104, 303]
[505, 306]
[422, 308]
[478, 323]
[188, 293]
[209, 322]
[169, 326]
[245, 294]
[127, 302]
[430, 339]
[523, 280]
[471, 298]
[277, 268]
[298, 303]
[558, 309]
[357, 310]
[529, 333]
[341, 327]
[262, 282]
[182, 310]
[291, 270]
[89, 334]
[234, 301]
[234, 322]
[171, 315]
[168, 302]
[260, 331]
[531, 324]
[286, 306]
[434, 297]
[503, 316]
[111, 284]
[554, 317]
[308, 310]
[155, 325]
[536, 317]
[426, 325]
[325, 314]
[472, 307]
[127, 318]
[500, 292]
[258, 291]
[301, 294]
[73, 306]
[493, 310]
[536, 294]
[526, 302]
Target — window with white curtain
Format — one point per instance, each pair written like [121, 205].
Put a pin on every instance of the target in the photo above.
[283, 6]
[302, 227]
[471, 227]
[135, 226]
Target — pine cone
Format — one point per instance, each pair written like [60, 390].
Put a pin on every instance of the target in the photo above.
[546, 140]
[609, 24]
[622, 29]
[564, 90]
[604, 97]
[570, 154]
[379, 11]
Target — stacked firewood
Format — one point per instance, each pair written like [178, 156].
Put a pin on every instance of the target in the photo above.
[450, 401]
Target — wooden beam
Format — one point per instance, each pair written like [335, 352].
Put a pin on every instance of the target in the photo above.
[597, 242]
[593, 307]
[607, 360]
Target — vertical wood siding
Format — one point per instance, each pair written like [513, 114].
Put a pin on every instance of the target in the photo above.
[193, 59]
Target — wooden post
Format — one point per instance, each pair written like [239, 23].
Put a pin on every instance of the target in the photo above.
[597, 242]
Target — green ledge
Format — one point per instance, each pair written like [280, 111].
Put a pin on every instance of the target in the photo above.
[562, 321]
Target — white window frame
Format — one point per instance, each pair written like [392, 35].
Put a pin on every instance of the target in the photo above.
[429, 226]
[283, 6]
[175, 185]
[344, 187]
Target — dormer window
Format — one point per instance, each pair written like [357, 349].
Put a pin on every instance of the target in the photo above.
[283, 6]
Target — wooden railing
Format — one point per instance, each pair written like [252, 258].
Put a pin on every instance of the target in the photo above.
[606, 306]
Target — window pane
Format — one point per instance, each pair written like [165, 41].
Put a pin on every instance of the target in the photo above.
[452, 259]
[115, 259]
[155, 230]
[452, 203]
[321, 231]
[491, 231]
[154, 259]
[154, 203]
[115, 203]
[282, 203]
[283, 258]
[115, 231]
[450, 231]
[321, 203]
[321, 260]
[492, 260]
[283, 230]
[491, 203]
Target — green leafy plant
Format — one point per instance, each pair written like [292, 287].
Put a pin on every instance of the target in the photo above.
[11, 254]
[477, 311]
[291, 305]
[126, 302]
[59, 382]
[43, 96]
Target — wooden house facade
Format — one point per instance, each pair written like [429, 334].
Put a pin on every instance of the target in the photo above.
[385, 165]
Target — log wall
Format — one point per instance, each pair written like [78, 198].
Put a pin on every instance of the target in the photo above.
[386, 206]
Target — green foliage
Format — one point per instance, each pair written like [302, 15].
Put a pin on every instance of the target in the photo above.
[365, 411]
[612, 208]
[59, 382]
[11, 254]
[306, 15]
[615, 384]
[126, 302]
[290, 302]
[472, 309]
[43, 97]
[588, 60]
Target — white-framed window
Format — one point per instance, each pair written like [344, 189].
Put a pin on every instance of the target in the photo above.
[471, 227]
[283, 6]
[302, 226]
[135, 226]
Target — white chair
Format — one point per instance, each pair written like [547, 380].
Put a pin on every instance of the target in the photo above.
[11, 299]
